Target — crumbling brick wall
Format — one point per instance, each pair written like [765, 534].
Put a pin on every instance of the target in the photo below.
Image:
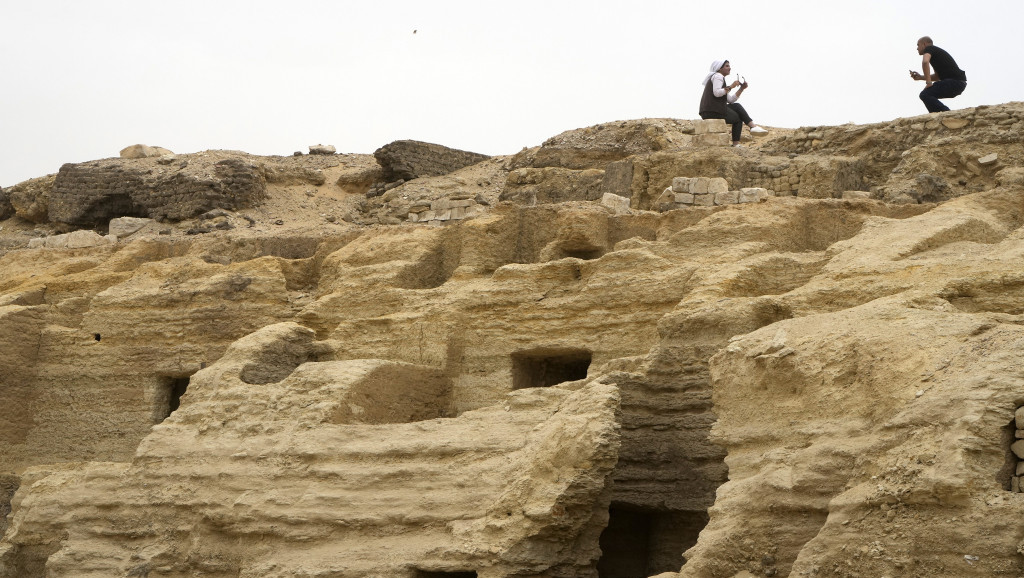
[93, 193]
[409, 159]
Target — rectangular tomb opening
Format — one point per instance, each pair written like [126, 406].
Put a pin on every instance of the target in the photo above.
[640, 542]
[544, 367]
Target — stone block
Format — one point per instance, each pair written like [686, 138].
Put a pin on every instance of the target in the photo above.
[57, 241]
[322, 149]
[988, 159]
[856, 195]
[1018, 417]
[1015, 484]
[955, 123]
[751, 195]
[1020, 469]
[458, 212]
[710, 126]
[1017, 448]
[615, 202]
[414, 217]
[617, 178]
[713, 140]
[704, 200]
[440, 205]
[444, 215]
[681, 184]
[699, 185]
[124, 226]
[141, 151]
[36, 243]
[84, 238]
[684, 198]
[727, 198]
[428, 216]
[666, 200]
[463, 203]
[718, 185]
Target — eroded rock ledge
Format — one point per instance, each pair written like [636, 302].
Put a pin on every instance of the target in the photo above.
[804, 385]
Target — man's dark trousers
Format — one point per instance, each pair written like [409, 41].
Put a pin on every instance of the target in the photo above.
[941, 89]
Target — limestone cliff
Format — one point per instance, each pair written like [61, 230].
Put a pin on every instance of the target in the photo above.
[549, 364]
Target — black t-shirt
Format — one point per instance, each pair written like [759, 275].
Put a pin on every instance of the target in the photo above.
[944, 65]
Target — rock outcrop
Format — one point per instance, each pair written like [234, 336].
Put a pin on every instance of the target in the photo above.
[813, 384]
[30, 199]
[409, 159]
[333, 464]
[6, 208]
[141, 151]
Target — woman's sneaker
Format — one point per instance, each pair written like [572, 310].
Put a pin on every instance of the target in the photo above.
[758, 130]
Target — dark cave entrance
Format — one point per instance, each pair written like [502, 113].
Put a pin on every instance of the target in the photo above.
[585, 254]
[545, 367]
[640, 542]
[1008, 477]
[167, 397]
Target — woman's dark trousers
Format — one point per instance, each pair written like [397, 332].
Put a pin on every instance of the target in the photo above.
[735, 115]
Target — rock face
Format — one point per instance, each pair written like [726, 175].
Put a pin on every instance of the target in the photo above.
[30, 199]
[333, 463]
[557, 386]
[6, 208]
[868, 457]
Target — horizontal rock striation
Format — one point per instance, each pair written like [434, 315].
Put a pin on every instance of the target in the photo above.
[300, 460]
[806, 385]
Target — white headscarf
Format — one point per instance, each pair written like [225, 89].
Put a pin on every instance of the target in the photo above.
[714, 68]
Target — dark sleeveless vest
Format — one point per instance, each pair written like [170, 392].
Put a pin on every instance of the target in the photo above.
[711, 103]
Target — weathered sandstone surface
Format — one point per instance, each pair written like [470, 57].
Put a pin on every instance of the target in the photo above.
[498, 370]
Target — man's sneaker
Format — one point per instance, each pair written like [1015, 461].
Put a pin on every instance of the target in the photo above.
[758, 131]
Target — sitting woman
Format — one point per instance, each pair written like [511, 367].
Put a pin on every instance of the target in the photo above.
[720, 102]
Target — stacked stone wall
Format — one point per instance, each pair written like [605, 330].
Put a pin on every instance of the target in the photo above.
[1017, 448]
[441, 210]
[93, 193]
[410, 159]
[706, 192]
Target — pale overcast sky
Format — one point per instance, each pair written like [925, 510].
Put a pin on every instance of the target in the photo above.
[82, 79]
